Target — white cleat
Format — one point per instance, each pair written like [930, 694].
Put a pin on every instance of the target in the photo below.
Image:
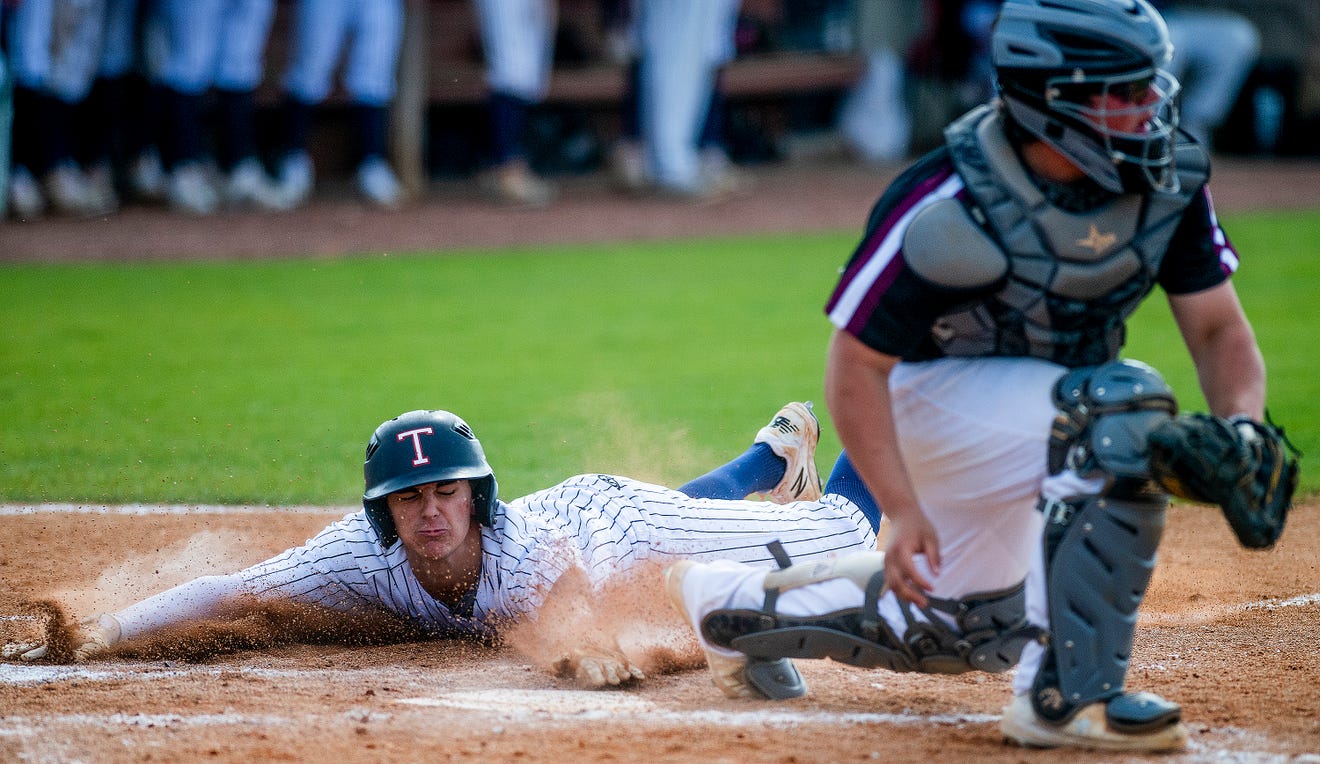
[248, 186]
[792, 435]
[188, 189]
[67, 190]
[1088, 730]
[25, 198]
[514, 183]
[101, 195]
[728, 674]
[296, 178]
[147, 177]
[378, 184]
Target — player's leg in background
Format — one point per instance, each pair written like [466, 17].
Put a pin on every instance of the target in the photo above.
[27, 34]
[191, 30]
[369, 78]
[244, 27]
[149, 99]
[676, 78]
[517, 39]
[718, 172]
[320, 28]
[1213, 52]
[105, 116]
[76, 42]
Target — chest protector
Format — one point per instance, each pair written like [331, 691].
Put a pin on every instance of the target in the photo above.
[1063, 283]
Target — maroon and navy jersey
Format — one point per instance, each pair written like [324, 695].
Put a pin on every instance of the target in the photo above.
[888, 307]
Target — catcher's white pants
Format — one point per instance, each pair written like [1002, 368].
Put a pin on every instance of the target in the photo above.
[973, 433]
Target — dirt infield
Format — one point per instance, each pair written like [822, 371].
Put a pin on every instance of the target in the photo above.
[1228, 633]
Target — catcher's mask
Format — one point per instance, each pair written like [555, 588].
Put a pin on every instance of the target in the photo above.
[1087, 77]
[423, 447]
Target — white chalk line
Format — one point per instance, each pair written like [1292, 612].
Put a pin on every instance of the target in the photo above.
[587, 705]
[12, 510]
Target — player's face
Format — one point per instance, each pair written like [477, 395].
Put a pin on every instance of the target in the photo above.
[1125, 109]
[432, 519]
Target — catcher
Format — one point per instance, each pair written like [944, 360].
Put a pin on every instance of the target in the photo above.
[975, 380]
[435, 547]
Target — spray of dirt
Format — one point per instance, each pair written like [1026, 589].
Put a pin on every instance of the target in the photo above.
[202, 554]
[629, 614]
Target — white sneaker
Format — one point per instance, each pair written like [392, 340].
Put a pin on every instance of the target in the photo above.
[147, 177]
[101, 195]
[514, 183]
[793, 435]
[249, 186]
[727, 673]
[189, 190]
[627, 166]
[25, 198]
[1088, 729]
[377, 183]
[67, 190]
[296, 179]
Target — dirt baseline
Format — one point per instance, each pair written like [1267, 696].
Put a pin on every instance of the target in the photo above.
[1228, 633]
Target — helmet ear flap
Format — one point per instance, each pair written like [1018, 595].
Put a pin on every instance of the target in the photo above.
[382, 522]
[484, 494]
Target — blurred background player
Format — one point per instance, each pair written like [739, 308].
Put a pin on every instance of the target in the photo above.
[214, 47]
[54, 48]
[1214, 49]
[368, 34]
[517, 40]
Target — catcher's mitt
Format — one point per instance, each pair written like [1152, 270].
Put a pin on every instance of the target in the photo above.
[1246, 467]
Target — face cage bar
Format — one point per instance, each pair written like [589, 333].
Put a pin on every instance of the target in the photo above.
[1160, 112]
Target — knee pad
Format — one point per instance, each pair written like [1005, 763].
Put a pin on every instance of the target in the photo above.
[1104, 415]
[1099, 550]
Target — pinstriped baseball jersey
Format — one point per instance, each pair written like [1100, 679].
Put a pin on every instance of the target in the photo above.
[603, 524]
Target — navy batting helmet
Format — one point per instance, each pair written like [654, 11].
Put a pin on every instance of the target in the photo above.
[1053, 57]
[425, 446]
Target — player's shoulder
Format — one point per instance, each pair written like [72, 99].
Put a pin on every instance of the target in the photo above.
[919, 179]
[941, 241]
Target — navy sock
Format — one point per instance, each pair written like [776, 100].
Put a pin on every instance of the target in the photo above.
[508, 119]
[372, 127]
[755, 471]
[297, 124]
[844, 481]
[237, 129]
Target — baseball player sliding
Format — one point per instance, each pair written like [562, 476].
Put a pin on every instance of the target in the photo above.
[435, 545]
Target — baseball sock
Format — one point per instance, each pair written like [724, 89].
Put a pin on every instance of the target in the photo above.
[508, 119]
[756, 470]
[237, 111]
[844, 481]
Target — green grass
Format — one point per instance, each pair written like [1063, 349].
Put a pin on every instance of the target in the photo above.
[260, 382]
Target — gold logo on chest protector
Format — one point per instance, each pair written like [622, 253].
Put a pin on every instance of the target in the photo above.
[1098, 242]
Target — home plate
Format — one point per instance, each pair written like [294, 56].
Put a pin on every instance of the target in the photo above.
[559, 703]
